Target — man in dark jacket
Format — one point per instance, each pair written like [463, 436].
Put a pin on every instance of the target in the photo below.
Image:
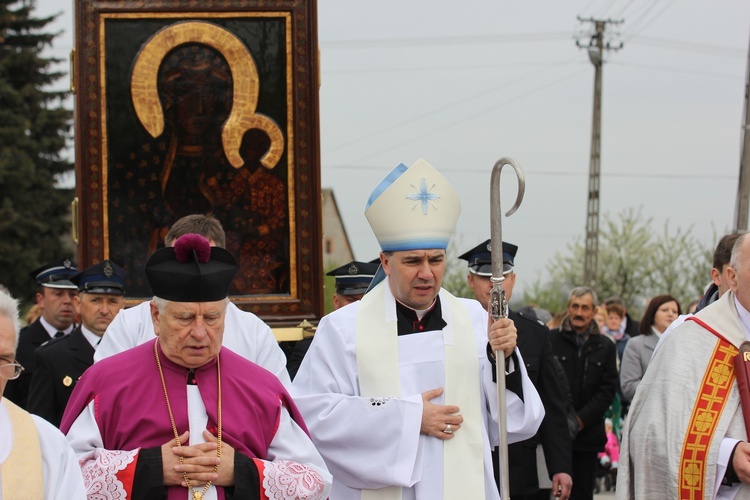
[533, 342]
[55, 296]
[719, 276]
[61, 362]
[589, 361]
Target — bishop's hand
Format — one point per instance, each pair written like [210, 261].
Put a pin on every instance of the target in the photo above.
[503, 335]
[439, 421]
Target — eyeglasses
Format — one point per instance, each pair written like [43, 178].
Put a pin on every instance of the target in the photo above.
[10, 371]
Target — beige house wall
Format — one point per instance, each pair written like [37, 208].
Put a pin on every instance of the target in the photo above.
[336, 248]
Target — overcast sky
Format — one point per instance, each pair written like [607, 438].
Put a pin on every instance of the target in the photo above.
[462, 84]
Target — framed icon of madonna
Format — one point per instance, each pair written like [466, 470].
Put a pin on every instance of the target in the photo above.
[211, 107]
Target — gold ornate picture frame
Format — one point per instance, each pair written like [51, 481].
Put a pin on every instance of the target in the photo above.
[213, 110]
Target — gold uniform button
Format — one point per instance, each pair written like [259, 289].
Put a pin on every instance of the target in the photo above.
[67, 381]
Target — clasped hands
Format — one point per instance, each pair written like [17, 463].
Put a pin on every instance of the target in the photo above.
[198, 462]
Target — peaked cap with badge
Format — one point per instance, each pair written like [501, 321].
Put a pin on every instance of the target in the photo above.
[106, 277]
[480, 258]
[354, 278]
[56, 274]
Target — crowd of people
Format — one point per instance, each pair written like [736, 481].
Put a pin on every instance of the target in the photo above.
[186, 396]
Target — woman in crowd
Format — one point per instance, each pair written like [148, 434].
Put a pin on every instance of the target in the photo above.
[661, 311]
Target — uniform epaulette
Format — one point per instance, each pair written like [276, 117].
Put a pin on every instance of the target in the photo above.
[53, 341]
[535, 319]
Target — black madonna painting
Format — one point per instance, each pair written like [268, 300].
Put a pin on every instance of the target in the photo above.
[197, 120]
[186, 107]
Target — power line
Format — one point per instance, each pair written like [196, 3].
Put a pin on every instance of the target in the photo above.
[422, 69]
[632, 36]
[391, 127]
[549, 173]
[470, 117]
[646, 24]
[431, 41]
[604, 9]
[621, 12]
[673, 70]
[643, 15]
[678, 45]
[722, 50]
[638, 11]
[588, 5]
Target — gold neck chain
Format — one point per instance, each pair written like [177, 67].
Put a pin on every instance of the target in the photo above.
[197, 495]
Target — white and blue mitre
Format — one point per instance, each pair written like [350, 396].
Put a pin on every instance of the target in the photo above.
[413, 208]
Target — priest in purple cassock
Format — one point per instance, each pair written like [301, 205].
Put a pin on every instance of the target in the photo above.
[180, 417]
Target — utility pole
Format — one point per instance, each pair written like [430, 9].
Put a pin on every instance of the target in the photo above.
[743, 189]
[596, 47]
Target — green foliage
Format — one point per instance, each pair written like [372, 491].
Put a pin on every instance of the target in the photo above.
[635, 262]
[551, 295]
[34, 131]
[454, 278]
[329, 287]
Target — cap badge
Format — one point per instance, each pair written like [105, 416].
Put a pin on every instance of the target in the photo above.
[353, 269]
[423, 196]
[67, 264]
[489, 246]
[108, 270]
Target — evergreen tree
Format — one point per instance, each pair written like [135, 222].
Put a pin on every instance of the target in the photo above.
[34, 131]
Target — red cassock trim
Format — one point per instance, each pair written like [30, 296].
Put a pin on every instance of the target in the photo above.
[261, 474]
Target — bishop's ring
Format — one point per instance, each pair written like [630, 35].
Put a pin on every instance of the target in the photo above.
[448, 429]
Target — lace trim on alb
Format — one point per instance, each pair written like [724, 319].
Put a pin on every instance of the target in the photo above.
[287, 480]
[100, 467]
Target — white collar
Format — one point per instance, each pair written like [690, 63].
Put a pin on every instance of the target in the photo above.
[51, 330]
[91, 337]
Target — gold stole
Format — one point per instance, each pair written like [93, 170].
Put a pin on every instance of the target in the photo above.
[377, 367]
[713, 394]
[22, 473]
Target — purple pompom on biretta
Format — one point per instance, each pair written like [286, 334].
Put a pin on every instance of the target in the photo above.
[191, 271]
[189, 243]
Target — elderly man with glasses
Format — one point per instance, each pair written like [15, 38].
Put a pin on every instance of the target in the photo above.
[35, 459]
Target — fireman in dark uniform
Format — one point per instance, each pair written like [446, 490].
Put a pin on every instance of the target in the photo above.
[55, 296]
[534, 344]
[61, 362]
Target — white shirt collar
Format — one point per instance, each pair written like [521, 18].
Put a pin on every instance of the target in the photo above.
[744, 317]
[51, 330]
[92, 338]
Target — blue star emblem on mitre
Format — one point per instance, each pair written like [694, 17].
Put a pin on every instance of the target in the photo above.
[423, 195]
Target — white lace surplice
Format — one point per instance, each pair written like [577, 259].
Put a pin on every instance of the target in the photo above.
[281, 477]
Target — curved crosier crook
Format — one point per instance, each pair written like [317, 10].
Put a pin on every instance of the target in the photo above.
[498, 307]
